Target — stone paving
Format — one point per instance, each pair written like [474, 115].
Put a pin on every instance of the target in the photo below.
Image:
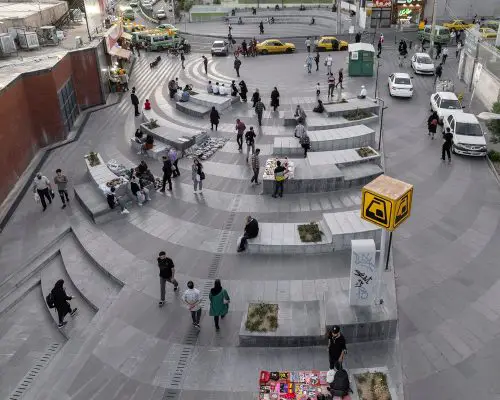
[445, 258]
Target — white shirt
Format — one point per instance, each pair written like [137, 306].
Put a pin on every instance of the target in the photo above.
[222, 91]
[308, 42]
[363, 92]
[192, 298]
[318, 87]
[445, 51]
[329, 60]
[42, 183]
[215, 89]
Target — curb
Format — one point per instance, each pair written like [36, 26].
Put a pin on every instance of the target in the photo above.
[493, 170]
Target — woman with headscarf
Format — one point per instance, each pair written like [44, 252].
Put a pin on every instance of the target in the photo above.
[275, 98]
[60, 301]
[219, 302]
[214, 118]
[234, 89]
[243, 91]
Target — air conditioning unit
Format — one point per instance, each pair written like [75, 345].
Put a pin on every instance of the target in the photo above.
[78, 42]
[28, 40]
[7, 45]
[49, 35]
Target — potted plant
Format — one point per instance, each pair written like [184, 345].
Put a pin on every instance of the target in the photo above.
[262, 317]
[310, 232]
[93, 159]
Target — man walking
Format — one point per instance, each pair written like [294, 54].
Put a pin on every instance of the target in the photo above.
[336, 346]
[192, 299]
[205, 64]
[167, 173]
[259, 109]
[172, 154]
[237, 65]
[261, 26]
[379, 48]
[61, 182]
[250, 140]
[445, 55]
[299, 131]
[331, 86]
[329, 64]
[135, 102]
[316, 60]
[448, 142]
[308, 45]
[438, 73]
[240, 130]
[167, 271]
[41, 185]
[183, 58]
[244, 48]
[279, 179]
[255, 167]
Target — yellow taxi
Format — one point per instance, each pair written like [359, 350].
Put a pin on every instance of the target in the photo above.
[274, 46]
[488, 33]
[458, 25]
[131, 28]
[329, 43]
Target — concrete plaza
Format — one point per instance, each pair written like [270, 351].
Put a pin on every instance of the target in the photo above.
[125, 347]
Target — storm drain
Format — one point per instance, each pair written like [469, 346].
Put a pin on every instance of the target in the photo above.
[33, 373]
[171, 394]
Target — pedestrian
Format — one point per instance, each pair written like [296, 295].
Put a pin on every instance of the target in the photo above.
[448, 142]
[318, 90]
[114, 201]
[279, 179]
[331, 86]
[42, 187]
[438, 73]
[299, 130]
[237, 65]
[183, 58]
[167, 274]
[329, 64]
[230, 28]
[432, 123]
[445, 55]
[316, 60]
[308, 45]
[214, 118]
[244, 48]
[167, 174]
[230, 40]
[124, 81]
[300, 115]
[250, 141]
[192, 299]
[59, 300]
[205, 64]
[255, 167]
[357, 38]
[240, 130]
[251, 231]
[319, 107]
[309, 62]
[259, 110]
[381, 38]
[439, 49]
[61, 182]
[459, 48]
[135, 102]
[139, 190]
[197, 175]
[453, 35]
[255, 97]
[172, 88]
[172, 155]
[379, 48]
[219, 302]
[336, 346]
[305, 142]
[362, 93]
[341, 78]
[261, 26]
[243, 91]
[234, 89]
[275, 98]
[138, 48]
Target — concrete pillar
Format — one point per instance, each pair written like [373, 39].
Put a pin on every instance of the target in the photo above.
[364, 275]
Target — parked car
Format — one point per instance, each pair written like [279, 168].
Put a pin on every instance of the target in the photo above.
[445, 104]
[488, 33]
[329, 43]
[400, 85]
[468, 136]
[168, 27]
[441, 34]
[422, 63]
[492, 24]
[134, 3]
[147, 6]
[276, 46]
[458, 25]
[220, 48]
[161, 14]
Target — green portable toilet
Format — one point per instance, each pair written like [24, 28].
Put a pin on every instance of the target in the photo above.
[361, 57]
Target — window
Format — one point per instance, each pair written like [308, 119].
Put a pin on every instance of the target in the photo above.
[468, 129]
[450, 104]
[450, 119]
[402, 81]
[68, 105]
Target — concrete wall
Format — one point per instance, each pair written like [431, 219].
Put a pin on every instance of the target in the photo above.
[30, 114]
[43, 18]
[487, 89]
[447, 9]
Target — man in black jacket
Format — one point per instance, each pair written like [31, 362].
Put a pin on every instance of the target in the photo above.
[237, 65]
[251, 231]
[135, 102]
[167, 173]
[167, 271]
[447, 144]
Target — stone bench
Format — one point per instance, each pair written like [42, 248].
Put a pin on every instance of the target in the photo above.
[360, 175]
[157, 152]
[322, 123]
[287, 146]
[341, 158]
[338, 231]
[193, 109]
[211, 100]
[341, 109]
[289, 119]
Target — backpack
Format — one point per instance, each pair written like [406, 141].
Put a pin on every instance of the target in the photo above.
[340, 385]
[50, 300]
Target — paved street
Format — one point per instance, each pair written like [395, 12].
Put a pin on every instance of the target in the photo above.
[445, 257]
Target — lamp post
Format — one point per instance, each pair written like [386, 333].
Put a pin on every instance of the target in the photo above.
[433, 28]
[381, 127]
[376, 78]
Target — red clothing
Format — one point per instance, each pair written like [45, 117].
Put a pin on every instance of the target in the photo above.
[147, 105]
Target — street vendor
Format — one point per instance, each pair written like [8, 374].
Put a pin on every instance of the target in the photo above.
[143, 172]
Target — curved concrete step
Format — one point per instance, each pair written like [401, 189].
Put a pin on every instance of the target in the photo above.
[49, 276]
[92, 282]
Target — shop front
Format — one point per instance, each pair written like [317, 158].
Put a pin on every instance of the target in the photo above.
[406, 12]
[117, 42]
[380, 12]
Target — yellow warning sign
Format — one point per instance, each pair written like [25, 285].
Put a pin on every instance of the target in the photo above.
[386, 202]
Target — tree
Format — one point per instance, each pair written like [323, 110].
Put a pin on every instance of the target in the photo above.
[494, 125]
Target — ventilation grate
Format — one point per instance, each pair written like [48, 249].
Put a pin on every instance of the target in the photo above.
[33, 373]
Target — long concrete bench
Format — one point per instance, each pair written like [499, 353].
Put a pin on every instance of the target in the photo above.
[157, 152]
[341, 158]
[338, 231]
[341, 109]
[101, 174]
[322, 123]
[360, 175]
[210, 100]
[193, 109]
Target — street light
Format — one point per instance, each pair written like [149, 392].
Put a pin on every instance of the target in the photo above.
[376, 78]
[381, 121]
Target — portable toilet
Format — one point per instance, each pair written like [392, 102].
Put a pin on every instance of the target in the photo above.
[361, 59]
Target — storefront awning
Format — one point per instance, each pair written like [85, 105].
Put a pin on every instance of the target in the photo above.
[127, 36]
[119, 52]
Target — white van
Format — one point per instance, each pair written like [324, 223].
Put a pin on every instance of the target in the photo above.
[468, 136]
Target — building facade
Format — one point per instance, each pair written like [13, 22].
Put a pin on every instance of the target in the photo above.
[451, 9]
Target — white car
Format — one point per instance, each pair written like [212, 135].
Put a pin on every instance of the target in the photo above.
[445, 104]
[133, 4]
[220, 48]
[468, 137]
[422, 63]
[400, 85]
[160, 14]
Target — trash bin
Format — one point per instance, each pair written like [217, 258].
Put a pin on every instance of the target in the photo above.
[361, 56]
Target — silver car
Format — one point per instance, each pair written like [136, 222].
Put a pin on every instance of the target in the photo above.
[220, 48]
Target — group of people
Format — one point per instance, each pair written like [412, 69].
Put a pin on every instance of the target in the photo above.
[247, 49]
[216, 89]
[42, 188]
[178, 92]
[432, 124]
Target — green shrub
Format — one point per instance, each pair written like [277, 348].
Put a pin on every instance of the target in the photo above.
[494, 125]
[494, 155]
